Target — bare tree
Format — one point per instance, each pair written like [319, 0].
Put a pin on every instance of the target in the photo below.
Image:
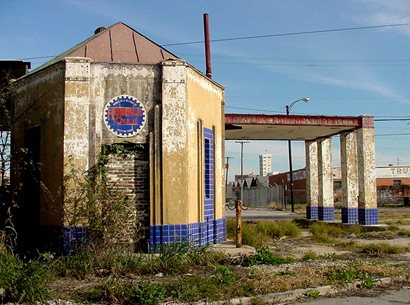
[6, 96]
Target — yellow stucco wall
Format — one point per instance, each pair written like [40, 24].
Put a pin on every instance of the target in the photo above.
[190, 102]
[40, 103]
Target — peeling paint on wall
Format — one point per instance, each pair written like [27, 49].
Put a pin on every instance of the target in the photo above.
[312, 179]
[325, 172]
[349, 169]
[366, 168]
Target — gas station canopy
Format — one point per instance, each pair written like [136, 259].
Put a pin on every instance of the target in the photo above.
[289, 127]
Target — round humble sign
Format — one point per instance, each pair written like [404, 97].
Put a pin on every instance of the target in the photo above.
[124, 115]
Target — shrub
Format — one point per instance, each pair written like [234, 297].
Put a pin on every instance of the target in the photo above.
[94, 200]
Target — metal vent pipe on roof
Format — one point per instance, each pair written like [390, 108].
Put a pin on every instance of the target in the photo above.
[207, 47]
[98, 30]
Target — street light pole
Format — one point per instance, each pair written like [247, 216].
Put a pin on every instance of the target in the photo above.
[292, 201]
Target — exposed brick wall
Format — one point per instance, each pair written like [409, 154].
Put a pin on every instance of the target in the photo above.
[128, 173]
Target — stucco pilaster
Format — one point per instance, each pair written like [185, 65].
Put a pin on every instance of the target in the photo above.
[76, 112]
[174, 142]
[312, 182]
[325, 177]
[368, 213]
[348, 153]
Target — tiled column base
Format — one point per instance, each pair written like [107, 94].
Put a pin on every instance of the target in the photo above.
[196, 234]
[312, 212]
[368, 216]
[326, 213]
[74, 238]
[350, 215]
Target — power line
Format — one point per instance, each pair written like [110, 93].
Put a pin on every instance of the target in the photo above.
[254, 109]
[38, 57]
[392, 134]
[390, 120]
[293, 33]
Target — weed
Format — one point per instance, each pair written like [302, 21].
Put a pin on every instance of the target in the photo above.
[78, 265]
[231, 228]
[184, 290]
[24, 281]
[312, 294]
[329, 256]
[404, 233]
[381, 269]
[325, 233]
[393, 227]
[285, 272]
[277, 229]
[367, 281]
[363, 272]
[310, 255]
[263, 231]
[344, 274]
[94, 200]
[223, 276]
[347, 245]
[264, 256]
[252, 237]
[180, 258]
[147, 293]
[126, 263]
[380, 249]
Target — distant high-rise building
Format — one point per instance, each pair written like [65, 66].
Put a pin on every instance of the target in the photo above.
[265, 164]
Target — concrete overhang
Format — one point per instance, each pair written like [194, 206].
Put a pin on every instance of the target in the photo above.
[290, 127]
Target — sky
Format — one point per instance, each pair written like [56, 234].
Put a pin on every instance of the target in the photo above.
[344, 73]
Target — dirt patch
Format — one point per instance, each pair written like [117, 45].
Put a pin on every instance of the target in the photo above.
[321, 250]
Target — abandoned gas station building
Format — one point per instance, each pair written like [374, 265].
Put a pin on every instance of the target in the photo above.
[120, 88]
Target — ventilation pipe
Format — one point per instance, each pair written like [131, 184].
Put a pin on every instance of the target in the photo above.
[207, 47]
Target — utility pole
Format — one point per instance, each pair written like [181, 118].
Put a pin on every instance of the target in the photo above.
[227, 169]
[242, 142]
[238, 203]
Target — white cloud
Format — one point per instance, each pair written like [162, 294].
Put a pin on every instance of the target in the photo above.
[386, 12]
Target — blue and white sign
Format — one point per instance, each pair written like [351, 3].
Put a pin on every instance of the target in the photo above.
[125, 116]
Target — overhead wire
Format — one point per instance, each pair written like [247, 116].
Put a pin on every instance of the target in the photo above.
[292, 34]
[269, 35]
